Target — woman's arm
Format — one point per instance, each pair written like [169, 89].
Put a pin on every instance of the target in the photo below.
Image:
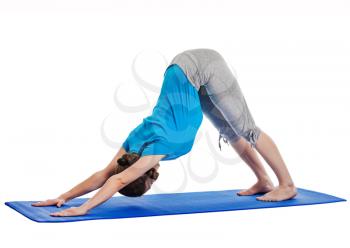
[95, 181]
[113, 185]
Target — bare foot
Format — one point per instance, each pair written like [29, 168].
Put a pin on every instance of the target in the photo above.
[259, 187]
[280, 193]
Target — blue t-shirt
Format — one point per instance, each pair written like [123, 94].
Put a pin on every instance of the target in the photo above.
[172, 127]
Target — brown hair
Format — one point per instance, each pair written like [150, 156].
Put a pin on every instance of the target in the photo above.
[142, 184]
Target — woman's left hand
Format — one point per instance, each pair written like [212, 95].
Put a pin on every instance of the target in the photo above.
[73, 211]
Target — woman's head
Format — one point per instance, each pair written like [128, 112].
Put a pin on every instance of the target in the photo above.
[142, 184]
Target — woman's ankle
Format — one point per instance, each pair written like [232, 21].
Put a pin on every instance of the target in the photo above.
[265, 180]
[287, 185]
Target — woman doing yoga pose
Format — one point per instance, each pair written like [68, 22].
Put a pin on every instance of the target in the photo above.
[196, 81]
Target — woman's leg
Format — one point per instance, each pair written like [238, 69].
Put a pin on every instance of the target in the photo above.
[269, 151]
[225, 94]
[249, 156]
[240, 145]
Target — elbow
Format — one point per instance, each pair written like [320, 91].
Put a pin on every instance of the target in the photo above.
[119, 180]
[101, 176]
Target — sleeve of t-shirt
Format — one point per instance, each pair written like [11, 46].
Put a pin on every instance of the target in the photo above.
[157, 148]
[125, 145]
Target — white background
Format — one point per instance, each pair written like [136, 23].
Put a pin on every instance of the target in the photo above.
[62, 61]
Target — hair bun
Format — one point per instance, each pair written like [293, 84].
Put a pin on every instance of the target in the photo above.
[153, 174]
[122, 161]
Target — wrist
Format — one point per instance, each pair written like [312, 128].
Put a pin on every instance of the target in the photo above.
[64, 197]
[84, 207]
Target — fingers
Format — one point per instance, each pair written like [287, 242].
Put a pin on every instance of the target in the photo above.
[49, 202]
[67, 212]
[36, 204]
[41, 204]
[62, 213]
[58, 214]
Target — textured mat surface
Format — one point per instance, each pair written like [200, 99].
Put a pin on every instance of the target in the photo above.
[167, 204]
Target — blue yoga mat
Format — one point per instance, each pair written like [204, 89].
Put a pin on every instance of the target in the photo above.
[167, 204]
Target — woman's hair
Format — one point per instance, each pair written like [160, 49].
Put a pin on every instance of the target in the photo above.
[142, 184]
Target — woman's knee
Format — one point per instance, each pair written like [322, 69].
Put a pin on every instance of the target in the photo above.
[252, 135]
[246, 140]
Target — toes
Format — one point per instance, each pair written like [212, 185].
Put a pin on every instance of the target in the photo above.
[264, 198]
[243, 192]
[56, 214]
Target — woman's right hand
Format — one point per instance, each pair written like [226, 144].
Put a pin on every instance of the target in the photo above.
[50, 202]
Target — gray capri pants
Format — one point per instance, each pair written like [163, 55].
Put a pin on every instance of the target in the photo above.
[221, 98]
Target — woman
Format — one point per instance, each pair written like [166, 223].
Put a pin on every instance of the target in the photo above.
[196, 81]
